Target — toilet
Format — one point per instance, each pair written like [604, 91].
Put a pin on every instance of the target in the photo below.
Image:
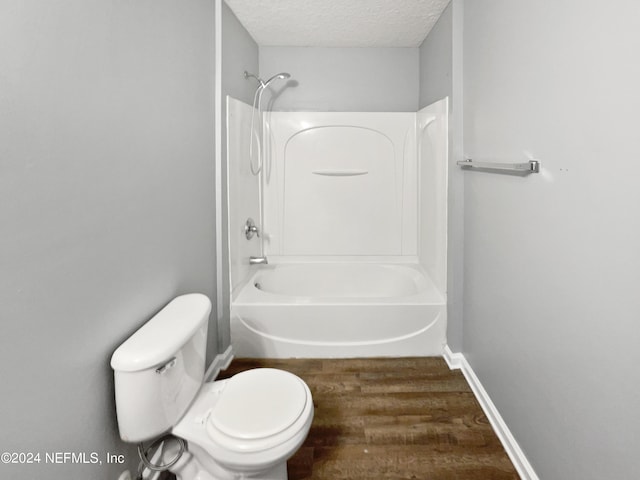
[246, 426]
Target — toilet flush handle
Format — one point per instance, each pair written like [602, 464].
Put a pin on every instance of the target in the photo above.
[170, 364]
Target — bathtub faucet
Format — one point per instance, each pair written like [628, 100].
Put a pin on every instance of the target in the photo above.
[258, 260]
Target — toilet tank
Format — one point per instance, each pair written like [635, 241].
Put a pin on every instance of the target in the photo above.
[160, 368]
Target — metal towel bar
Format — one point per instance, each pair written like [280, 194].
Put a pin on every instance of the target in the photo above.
[532, 166]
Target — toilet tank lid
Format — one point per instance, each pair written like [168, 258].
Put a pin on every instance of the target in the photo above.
[158, 340]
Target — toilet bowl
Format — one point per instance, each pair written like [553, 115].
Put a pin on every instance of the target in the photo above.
[246, 426]
[251, 423]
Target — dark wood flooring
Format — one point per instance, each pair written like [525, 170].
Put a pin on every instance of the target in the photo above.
[392, 419]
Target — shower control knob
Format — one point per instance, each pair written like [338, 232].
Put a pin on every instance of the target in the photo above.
[250, 229]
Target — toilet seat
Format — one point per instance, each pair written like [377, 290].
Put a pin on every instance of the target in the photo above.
[256, 408]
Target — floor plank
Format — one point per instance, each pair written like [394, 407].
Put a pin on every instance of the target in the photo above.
[391, 419]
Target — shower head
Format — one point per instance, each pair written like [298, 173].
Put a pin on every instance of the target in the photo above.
[264, 84]
[282, 76]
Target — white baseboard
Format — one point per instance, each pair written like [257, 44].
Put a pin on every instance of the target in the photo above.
[458, 361]
[221, 362]
[454, 360]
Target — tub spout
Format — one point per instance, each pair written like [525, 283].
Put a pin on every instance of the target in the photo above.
[258, 261]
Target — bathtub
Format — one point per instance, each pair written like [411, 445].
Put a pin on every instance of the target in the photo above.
[331, 310]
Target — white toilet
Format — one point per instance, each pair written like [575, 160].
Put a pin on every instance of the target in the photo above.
[247, 426]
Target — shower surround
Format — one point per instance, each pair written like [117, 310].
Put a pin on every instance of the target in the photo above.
[353, 222]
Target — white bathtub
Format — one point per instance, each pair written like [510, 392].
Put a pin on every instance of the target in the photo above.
[323, 310]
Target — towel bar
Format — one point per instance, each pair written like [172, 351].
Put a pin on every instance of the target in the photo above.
[532, 166]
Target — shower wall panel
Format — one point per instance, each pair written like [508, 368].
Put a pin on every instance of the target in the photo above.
[340, 184]
[243, 191]
[433, 154]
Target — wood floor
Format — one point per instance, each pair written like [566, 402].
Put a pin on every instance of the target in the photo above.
[407, 418]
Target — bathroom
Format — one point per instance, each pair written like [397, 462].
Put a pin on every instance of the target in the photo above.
[108, 152]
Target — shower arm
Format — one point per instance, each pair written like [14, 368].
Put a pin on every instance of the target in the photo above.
[248, 75]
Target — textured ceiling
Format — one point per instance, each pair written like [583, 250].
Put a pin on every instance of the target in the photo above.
[338, 23]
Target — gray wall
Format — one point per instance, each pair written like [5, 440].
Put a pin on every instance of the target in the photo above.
[552, 260]
[239, 53]
[436, 60]
[106, 206]
[440, 67]
[343, 79]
